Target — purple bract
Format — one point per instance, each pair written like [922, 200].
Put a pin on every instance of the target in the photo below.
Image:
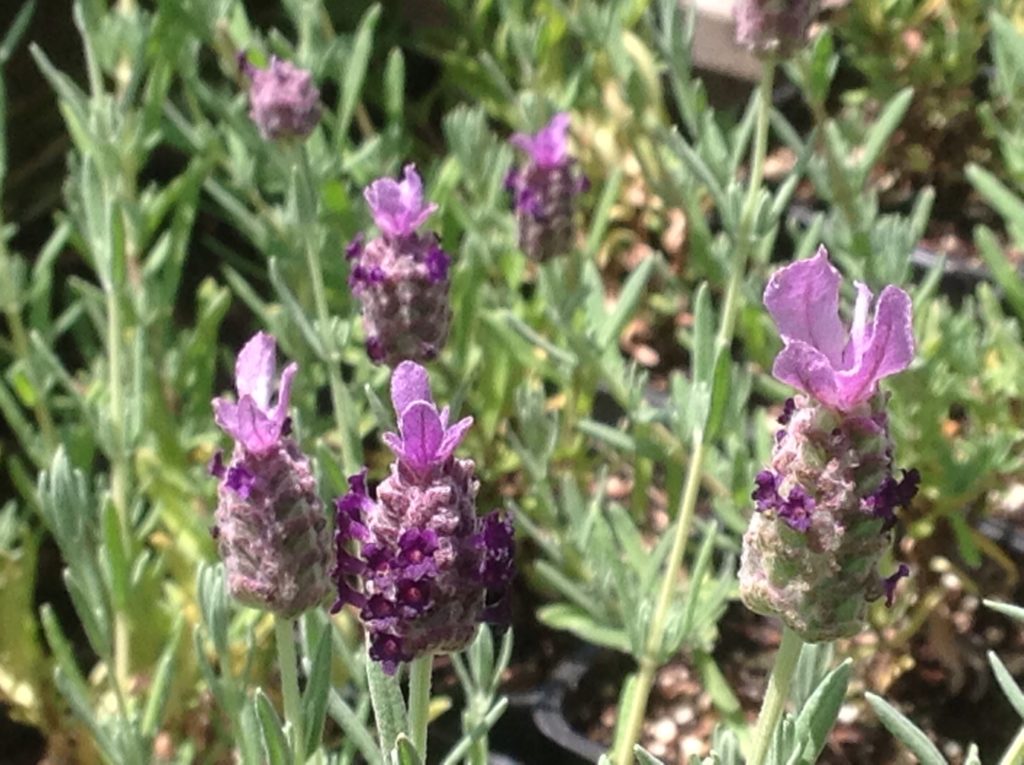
[839, 368]
[252, 421]
[398, 207]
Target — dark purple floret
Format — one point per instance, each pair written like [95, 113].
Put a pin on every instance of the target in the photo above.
[437, 264]
[216, 467]
[355, 247]
[796, 510]
[240, 480]
[413, 596]
[787, 411]
[416, 553]
[893, 494]
[375, 350]
[389, 650]
[766, 495]
[889, 583]
[378, 607]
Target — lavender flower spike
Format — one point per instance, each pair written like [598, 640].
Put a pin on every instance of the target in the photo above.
[401, 277]
[253, 422]
[271, 531]
[544, 190]
[397, 206]
[428, 570]
[826, 507]
[839, 368]
[283, 101]
[773, 26]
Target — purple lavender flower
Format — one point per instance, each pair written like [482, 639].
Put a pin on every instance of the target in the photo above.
[839, 368]
[271, 530]
[827, 504]
[283, 101]
[544, 190]
[401, 277]
[773, 26]
[426, 570]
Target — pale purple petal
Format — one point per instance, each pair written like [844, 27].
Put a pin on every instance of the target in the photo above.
[247, 424]
[549, 146]
[807, 368]
[397, 206]
[255, 368]
[803, 298]
[889, 349]
[409, 383]
[421, 434]
[284, 393]
[452, 437]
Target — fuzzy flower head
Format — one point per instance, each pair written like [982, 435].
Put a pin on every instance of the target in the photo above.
[838, 366]
[398, 207]
[283, 101]
[270, 527]
[417, 562]
[253, 422]
[424, 439]
[773, 26]
[549, 146]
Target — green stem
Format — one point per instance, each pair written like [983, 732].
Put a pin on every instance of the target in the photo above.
[118, 475]
[1015, 754]
[776, 695]
[629, 731]
[388, 707]
[419, 702]
[649, 662]
[341, 401]
[284, 632]
[19, 336]
[742, 240]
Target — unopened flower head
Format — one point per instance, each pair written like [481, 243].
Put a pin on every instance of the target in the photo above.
[283, 100]
[271, 529]
[777, 27]
[544, 190]
[418, 563]
[401, 277]
[826, 504]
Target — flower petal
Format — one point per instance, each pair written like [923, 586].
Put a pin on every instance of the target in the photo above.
[548, 147]
[247, 424]
[255, 368]
[421, 434]
[452, 437]
[807, 368]
[397, 207]
[889, 348]
[409, 383]
[803, 298]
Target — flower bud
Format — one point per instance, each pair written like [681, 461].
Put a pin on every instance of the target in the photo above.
[283, 101]
[427, 571]
[773, 26]
[544, 191]
[401, 277]
[271, 531]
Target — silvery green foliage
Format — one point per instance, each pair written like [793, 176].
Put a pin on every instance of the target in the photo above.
[917, 741]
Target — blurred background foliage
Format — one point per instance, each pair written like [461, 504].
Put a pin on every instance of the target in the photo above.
[146, 230]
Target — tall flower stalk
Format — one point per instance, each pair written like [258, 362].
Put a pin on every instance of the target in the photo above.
[826, 506]
[628, 732]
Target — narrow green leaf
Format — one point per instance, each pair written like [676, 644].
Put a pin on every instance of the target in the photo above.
[903, 729]
[314, 697]
[16, 30]
[353, 71]
[1006, 203]
[295, 311]
[602, 214]
[629, 297]
[612, 436]
[1014, 612]
[643, 757]
[563, 616]
[113, 556]
[820, 712]
[275, 745]
[354, 728]
[1011, 690]
[394, 85]
[1004, 271]
[388, 705]
[886, 124]
[405, 753]
[161, 686]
